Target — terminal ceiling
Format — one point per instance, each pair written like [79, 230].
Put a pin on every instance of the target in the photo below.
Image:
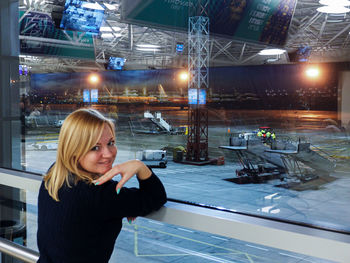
[326, 34]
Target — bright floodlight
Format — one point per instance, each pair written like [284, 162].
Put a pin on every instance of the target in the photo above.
[335, 2]
[184, 76]
[312, 72]
[110, 35]
[272, 51]
[109, 29]
[93, 78]
[110, 7]
[333, 9]
[107, 35]
[148, 46]
[95, 6]
[148, 49]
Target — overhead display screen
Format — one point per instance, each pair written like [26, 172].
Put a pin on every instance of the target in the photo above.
[197, 98]
[115, 63]
[263, 21]
[78, 16]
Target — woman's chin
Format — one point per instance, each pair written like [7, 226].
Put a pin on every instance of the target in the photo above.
[102, 171]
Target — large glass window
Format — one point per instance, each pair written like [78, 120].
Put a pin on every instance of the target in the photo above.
[277, 134]
[146, 240]
[276, 146]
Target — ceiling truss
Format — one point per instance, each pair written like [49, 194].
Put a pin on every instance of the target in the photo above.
[326, 34]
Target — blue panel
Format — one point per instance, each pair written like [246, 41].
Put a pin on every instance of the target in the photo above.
[79, 18]
[94, 95]
[86, 95]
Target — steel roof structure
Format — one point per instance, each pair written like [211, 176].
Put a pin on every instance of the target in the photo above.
[326, 34]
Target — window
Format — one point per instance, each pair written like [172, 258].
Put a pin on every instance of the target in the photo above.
[277, 140]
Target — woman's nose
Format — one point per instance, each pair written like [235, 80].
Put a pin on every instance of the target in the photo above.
[107, 152]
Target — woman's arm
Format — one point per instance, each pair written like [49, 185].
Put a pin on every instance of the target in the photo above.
[126, 170]
[129, 202]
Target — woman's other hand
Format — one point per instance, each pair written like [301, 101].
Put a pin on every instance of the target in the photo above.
[131, 219]
[126, 170]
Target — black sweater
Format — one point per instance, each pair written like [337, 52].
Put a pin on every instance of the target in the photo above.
[84, 224]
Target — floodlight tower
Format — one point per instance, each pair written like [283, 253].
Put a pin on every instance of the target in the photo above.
[198, 69]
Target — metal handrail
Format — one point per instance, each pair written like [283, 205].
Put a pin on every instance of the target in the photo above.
[17, 251]
[327, 244]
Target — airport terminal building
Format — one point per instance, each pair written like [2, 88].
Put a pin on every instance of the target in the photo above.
[240, 107]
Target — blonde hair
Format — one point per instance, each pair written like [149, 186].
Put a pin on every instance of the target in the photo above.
[79, 133]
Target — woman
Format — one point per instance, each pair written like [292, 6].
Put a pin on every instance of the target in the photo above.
[80, 209]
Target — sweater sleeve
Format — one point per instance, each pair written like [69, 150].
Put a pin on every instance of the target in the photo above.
[132, 202]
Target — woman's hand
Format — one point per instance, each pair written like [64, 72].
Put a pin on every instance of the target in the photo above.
[131, 219]
[126, 170]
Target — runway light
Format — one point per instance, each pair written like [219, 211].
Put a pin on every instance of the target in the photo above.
[184, 75]
[93, 78]
[313, 72]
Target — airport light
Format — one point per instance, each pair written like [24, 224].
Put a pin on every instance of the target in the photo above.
[334, 6]
[95, 6]
[110, 29]
[148, 47]
[271, 51]
[94, 78]
[111, 7]
[312, 72]
[335, 2]
[184, 76]
[151, 46]
[330, 9]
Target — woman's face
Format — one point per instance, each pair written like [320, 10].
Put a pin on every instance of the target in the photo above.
[100, 158]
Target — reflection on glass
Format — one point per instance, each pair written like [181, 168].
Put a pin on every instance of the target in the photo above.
[151, 241]
[277, 148]
[12, 218]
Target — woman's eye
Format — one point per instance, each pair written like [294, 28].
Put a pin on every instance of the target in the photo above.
[111, 143]
[96, 148]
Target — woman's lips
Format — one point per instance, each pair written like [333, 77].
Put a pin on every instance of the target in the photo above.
[105, 163]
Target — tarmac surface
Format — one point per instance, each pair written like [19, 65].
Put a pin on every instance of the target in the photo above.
[318, 202]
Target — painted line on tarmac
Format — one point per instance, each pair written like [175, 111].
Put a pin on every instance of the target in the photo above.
[155, 222]
[188, 252]
[257, 247]
[287, 255]
[220, 238]
[345, 172]
[222, 189]
[185, 230]
[185, 186]
[230, 251]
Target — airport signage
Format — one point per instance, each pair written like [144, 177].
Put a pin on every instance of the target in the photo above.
[179, 47]
[86, 95]
[94, 95]
[90, 95]
[197, 96]
[265, 21]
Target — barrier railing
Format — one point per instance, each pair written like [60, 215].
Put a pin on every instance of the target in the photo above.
[17, 251]
[307, 240]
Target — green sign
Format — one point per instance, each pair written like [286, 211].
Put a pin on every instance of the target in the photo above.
[165, 13]
[38, 35]
[265, 21]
